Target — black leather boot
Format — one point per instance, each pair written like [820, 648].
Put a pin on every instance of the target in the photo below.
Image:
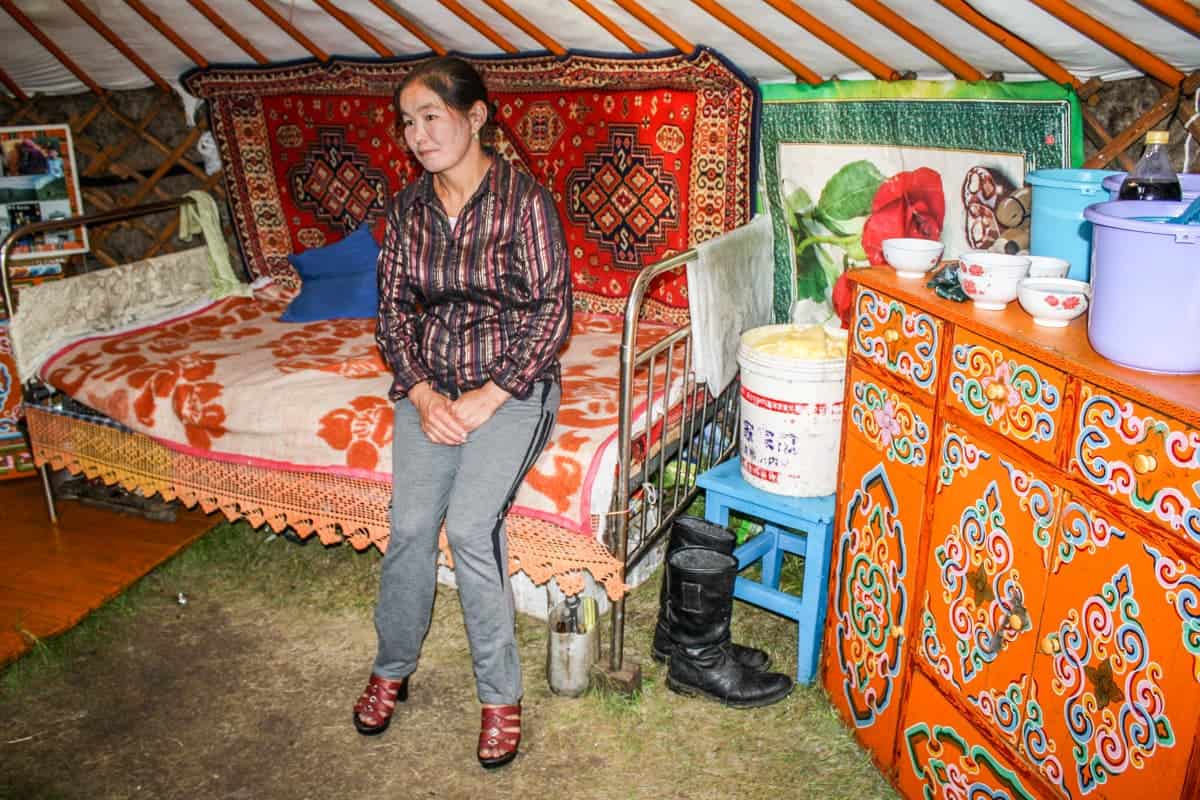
[701, 598]
[696, 532]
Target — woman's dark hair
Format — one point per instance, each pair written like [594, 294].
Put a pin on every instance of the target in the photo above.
[456, 82]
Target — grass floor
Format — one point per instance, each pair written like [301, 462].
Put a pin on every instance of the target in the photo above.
[258, 607]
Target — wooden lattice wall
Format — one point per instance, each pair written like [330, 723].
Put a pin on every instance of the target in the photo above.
[130, 147]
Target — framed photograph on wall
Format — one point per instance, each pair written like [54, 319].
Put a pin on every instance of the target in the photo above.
[38, 182]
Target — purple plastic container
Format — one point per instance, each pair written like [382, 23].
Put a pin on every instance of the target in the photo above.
[1189, 182]
[1145, 310]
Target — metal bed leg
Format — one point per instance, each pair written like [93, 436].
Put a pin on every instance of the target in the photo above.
[45, 471]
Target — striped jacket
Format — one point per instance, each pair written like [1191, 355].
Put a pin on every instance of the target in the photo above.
[489, 298]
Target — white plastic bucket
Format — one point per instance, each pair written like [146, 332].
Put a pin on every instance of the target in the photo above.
[791, 418]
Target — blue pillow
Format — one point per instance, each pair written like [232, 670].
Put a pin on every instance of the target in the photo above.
[355, 253]
[353, 296]
[337, 281]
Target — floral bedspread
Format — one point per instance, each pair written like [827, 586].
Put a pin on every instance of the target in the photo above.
[232, 382]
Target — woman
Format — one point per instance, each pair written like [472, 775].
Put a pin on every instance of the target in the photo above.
[475, 302]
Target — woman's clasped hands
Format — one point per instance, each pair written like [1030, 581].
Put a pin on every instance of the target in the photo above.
[449, 422]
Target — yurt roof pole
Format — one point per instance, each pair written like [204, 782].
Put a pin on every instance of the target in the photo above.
[46, 42]
[230, 32]
[410, 26]
[479, 25]
[351, 24]
[755, 38]
[170, 35]
[530, 29]
[1109, 39]
[1042, 63]
[98, 25]
[835, 40]
[290, 29]
[655, 24]
[918, 39]
[12, 87]
[606, 22]
[1182, 14]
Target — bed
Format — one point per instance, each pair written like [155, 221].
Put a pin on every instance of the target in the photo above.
[217, 403]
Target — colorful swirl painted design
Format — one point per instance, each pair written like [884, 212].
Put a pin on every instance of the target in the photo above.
[885, 331]
[890, 424]
[1037, 500]
[870, 602]
[1109, 685]
[951, 768]
[1006, 394]
[1021, 721]
[959, 457]
[1119, 451]
[981, 585]
[1183, 593]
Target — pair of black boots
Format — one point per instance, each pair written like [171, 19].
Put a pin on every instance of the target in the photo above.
[692, 634]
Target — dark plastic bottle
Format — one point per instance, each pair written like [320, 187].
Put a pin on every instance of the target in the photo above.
[1152, 177]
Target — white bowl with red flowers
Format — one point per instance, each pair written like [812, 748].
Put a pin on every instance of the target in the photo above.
[912, 258]
[1053, 302]
[990, 279]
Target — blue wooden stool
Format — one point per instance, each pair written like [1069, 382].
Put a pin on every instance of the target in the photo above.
[810, 520]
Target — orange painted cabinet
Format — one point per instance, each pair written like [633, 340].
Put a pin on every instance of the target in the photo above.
[874, 555]
[1014, 599]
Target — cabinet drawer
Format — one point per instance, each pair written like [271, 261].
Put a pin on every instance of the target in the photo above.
[897, 427]
[1010, 393]
[943, 755]
[1150, 461]
[900, 339]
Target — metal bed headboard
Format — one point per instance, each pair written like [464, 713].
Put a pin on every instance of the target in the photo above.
[99, 218]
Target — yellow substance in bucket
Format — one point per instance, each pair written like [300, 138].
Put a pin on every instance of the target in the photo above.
[808, 343]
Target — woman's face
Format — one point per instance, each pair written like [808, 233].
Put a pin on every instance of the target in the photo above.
[438, 135]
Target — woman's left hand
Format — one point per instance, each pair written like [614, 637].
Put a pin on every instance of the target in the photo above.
[477, 406]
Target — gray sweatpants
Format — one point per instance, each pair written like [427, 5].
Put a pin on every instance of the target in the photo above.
[471, 486]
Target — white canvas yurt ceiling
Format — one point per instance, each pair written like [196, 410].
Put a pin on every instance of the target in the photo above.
[68, 46]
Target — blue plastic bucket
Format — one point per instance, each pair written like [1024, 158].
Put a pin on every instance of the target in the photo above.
[1058, 227]
[1189, 182]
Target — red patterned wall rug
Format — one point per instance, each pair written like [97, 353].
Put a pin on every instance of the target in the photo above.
[645, 155]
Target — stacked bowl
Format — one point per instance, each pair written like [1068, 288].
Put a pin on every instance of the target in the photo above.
[991, 279]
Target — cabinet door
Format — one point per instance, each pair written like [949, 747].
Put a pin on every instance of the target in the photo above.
[1116, 672]
[985, 577]
[943, 755]
[880, 505]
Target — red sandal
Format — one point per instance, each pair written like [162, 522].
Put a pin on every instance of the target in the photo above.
[494, 734]
[373, 711]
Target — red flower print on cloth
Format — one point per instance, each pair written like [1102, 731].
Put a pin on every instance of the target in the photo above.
[203, 420]
[909, 204]
[159, 381]
[362, 430]
[323, 346]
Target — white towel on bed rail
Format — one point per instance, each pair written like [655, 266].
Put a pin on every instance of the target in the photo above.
[730, 290]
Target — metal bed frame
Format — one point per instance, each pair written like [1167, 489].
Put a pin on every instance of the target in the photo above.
[99, 218]
[704, 435]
